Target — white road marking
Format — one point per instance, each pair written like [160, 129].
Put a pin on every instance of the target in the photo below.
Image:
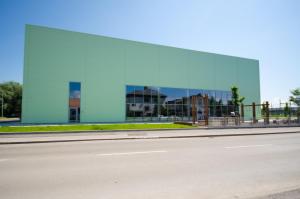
[3, 160]
[130, 153]
[247, 146]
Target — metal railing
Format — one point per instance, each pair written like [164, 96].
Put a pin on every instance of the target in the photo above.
[252, 115]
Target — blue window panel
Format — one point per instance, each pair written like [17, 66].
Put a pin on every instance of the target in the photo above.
[195, 92]
[139, 94]
[74, 92]
[129, 94]
[174, 95]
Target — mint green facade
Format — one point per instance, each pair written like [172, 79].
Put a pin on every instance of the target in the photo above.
[104, 66]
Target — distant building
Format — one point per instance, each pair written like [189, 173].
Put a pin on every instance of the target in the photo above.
[280, 111]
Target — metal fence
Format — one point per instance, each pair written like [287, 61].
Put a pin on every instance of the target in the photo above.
[247, 115]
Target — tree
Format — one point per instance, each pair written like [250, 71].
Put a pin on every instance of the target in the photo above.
[12, 98]
[264, 110]
[295, 98]
[286, 110]
[236, 99]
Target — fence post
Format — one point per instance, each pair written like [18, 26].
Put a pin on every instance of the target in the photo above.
[253, 113]
[264, 113]
[267, 113]
[206, 109]
[298, 115]
[237, 116]
[242, 113]
[194, 109]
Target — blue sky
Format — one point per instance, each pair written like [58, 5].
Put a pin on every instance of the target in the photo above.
[267, 30]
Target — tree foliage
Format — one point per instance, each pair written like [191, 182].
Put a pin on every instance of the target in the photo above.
[236, 98]
[264, 110]
[12, 98]
[295, 98]
[287, 110]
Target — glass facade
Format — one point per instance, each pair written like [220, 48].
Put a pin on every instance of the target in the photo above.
[74, 101]
[146, 103]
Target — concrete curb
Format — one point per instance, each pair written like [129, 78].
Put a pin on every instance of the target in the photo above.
[96, 131]
[253, 127]
[158, 137]
[138, 130]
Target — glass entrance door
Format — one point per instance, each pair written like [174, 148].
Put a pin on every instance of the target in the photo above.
[74, 115]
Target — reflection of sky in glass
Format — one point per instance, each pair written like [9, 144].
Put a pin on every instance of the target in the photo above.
[129, 89]
[75, 94]
[212, 94]
[205, 92]
[173, 93]
[138, 89]
[195, 92]
[218, 95]
[74, 90]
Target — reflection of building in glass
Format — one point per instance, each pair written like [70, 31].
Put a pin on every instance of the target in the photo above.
[141, 101]
[162, 103]
[76, 77]
[280, 111]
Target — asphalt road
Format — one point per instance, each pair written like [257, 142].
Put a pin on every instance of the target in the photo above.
[224, 167]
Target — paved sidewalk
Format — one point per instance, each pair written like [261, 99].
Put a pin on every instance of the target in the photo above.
[123, 135]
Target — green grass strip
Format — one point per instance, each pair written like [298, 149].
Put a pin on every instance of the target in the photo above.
[85, 127]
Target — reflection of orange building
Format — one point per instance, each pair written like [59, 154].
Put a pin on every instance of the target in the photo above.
[74, 102]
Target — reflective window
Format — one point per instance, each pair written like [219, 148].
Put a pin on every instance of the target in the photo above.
[225, 97]
[74, 101]
[195, 92]
[185, 112]
[218, 111]
[206, 92]
[138, 94]
[229, 98]
[179, 111]
[174, 95]
[146, 103]
[129, 94]
[154, 95]
[212, 94]
[163, 112]
[219, 98]
[147, 95]
[171, 110]
[225, 111]
[74, 90]
[155, 111]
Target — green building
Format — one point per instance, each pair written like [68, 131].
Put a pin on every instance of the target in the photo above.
[78, 77]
